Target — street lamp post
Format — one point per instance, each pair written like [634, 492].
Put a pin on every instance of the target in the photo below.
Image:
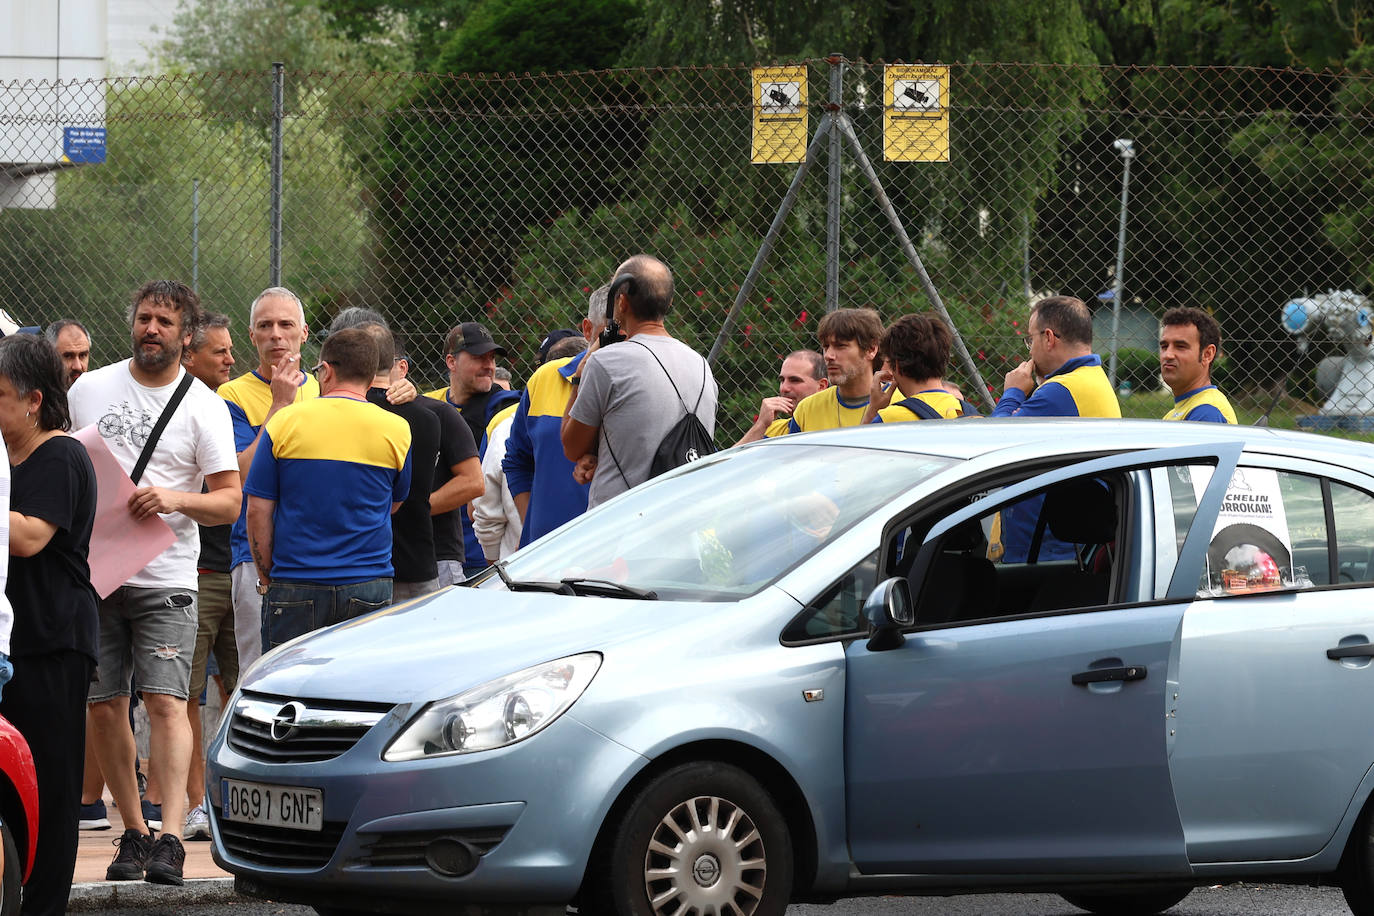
[1126, 149]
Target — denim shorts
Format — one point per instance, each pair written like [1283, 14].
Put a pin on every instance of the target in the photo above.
[149, 633]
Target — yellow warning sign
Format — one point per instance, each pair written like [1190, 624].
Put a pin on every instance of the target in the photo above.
[915, 113]
[780, 116]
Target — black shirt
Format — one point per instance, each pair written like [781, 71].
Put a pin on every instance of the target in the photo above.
[456, 445]
[412, 535]
[54, 602]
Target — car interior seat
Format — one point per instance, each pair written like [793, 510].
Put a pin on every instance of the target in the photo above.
[1081, 512]
[961, 583]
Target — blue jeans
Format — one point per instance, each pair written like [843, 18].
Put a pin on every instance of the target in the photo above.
[290, 609]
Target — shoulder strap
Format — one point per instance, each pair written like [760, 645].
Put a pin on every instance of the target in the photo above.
[162, 422]
[921, 409]
[669, 376]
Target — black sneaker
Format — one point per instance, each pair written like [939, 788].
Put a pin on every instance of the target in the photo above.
[165, 861]
[128, 863]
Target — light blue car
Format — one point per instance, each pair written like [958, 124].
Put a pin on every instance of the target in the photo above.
[1109, 659]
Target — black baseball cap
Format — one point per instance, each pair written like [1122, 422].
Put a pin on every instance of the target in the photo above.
[474, 339]
[553, 338]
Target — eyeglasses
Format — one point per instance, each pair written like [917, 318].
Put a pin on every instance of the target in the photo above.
[1030, 338]
[315, 369]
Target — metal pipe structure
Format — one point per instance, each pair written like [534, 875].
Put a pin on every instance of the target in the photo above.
[910, 250]
[195, 235]
[832, 202]
[769, 240]
[1127, 150]
[278, 104]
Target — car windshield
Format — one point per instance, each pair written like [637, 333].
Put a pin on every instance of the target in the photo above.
[726, 527]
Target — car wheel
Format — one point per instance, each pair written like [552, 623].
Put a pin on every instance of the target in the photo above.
[1141, 903]
[700, 838]
[13, 874]
[1357, 868]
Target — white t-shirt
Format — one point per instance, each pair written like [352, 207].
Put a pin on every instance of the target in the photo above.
[198, 442]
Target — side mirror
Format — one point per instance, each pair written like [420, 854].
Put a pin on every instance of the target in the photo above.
[888, 609]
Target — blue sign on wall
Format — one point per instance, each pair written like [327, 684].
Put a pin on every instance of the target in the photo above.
[83, 144]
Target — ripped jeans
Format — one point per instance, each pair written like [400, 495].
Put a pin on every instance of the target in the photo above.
[149, 633]
[291, 609]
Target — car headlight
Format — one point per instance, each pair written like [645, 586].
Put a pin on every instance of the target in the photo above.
[497, 713]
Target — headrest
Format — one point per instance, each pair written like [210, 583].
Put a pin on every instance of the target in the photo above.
[1081, 511]
[964, 537]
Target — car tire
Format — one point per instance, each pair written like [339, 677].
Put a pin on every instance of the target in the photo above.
[13, 877]
[1357, 868]
[1140, 903]
[660, 859]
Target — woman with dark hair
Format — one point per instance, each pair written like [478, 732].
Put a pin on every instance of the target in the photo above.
[53, 642]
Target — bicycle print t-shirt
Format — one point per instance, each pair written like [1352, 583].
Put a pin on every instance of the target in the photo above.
[198, 441]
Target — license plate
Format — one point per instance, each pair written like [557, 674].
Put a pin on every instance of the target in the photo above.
[293, 807]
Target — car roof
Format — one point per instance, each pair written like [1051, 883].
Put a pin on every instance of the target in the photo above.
[972, 438]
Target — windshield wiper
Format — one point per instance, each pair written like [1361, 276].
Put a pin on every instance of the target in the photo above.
[615, 588]
[513, 585]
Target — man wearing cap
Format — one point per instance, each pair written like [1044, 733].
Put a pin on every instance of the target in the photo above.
[539, 475]
[470, 354]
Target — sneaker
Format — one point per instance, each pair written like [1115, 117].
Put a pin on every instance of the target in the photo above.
[165, 861]
[197, 824]
[152, 815]
[134, 848]
[94, 816]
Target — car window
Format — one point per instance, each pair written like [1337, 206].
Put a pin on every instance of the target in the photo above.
[838, 611]
[1270, 535]
[728, 525]
[1051, 551]
[1353, 512]
[1176, 490]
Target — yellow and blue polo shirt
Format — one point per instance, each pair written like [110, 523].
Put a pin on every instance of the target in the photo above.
[1079, 388]
[334, 465]
[944, 403]
[534, 462]
[1206, 404]
[825, 410]
[250, 398]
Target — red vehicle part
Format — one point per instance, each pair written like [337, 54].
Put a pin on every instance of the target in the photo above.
[16, 763]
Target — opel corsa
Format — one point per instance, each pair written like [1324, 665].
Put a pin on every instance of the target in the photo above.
[1109, 659]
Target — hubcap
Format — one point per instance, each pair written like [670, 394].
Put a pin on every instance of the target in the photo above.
[705, 858]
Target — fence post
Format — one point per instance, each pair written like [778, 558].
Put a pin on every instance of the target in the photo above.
[832, 202]
[278, 102]
[1127, 151]
[195, 236]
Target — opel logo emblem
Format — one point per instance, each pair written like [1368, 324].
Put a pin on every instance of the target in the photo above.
[284, 721]
[706, 870]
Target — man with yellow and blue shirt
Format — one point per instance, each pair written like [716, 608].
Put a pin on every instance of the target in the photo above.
[1060, 338]
[1189, 342]
[276, 326]
[849, 342]
[802, 375]
[539, 474]
[915, 352]
[326, 477]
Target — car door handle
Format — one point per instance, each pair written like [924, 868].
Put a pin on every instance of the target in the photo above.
[1363, 651]
[1102, 675]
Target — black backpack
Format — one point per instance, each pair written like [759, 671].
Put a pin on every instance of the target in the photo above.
[687, 440]
[923, 410]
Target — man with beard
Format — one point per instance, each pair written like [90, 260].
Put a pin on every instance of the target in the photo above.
[73, 343]
[849, 343]
[148, 625]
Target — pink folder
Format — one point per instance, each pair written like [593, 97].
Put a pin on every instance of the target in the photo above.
[120, 544]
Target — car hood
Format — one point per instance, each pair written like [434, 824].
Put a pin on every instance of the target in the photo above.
[460, 637]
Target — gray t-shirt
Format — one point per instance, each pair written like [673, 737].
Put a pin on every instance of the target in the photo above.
[626, 393]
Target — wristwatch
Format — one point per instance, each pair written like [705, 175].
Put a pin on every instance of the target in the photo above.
[262, 587]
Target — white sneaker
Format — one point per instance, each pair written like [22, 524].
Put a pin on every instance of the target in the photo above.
[197, 824]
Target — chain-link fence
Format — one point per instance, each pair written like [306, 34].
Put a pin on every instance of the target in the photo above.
[504, 199]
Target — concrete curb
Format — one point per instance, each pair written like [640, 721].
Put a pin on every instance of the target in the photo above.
[107, 895]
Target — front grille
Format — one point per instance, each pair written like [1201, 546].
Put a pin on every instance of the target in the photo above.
[279, 730]
[280, 847]
[400, 850]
